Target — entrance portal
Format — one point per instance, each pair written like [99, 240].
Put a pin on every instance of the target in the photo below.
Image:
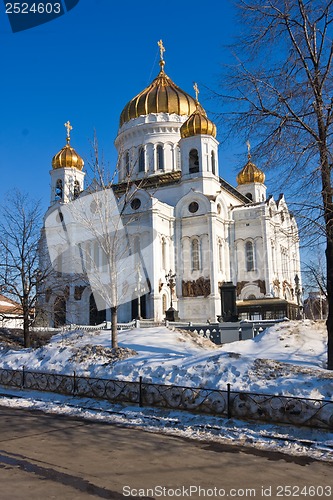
[96, 317]
[59, 310]
[143, 307]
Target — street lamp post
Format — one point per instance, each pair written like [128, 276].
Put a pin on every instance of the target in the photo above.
[139, 291]
[171, 314]
[298, 294]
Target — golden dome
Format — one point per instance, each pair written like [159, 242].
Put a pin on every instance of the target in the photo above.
[198, 124]
[67, 156]
[161, 96]
[250, 173]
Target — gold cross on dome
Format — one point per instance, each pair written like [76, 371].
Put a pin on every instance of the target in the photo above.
[69, 128]
[248, 149]
[162, 49]
[196, 90]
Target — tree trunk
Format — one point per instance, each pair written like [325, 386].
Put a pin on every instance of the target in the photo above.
[327, 196]
[114, 332]
[26, 329]
[329, 322]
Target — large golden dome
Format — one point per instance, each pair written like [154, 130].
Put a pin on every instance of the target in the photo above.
[250, 173]
[161, 96]
[198, 124]
[67, 156]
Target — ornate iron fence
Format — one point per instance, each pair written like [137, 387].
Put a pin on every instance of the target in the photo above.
[282, 409]
[185, 398]
[224, 403]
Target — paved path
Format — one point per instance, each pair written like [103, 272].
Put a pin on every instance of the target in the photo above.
[51, 457]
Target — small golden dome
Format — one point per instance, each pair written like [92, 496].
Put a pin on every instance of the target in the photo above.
[250, 173]
[198, 124]
[67, 156]
[161, 96]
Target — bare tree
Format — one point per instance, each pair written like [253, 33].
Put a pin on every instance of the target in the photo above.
[19, 259]
[314, 281]
[282, 87]
[315, 275]
[98, 241]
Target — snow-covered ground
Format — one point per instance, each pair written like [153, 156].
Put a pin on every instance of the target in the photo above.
[289, 359]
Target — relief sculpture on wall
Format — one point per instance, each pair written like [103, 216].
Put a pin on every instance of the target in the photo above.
[196, 288]
[259, 283]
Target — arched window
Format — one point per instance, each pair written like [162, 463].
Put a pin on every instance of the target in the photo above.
[178, 160]
[96, 259]
[160, 157]
[58, 190]
[249, 255]
[212, 157]
[127, 163]
[249, 196]
[164, 266]
[136, 245]
[137, 258]
[164, 303]
[220, 250]
[273, 256]
[87, 256]
[193, 161]
[77, 189]
[284, 262]
[195, 255]
[142, 162]
[59, 262]
[104, 257]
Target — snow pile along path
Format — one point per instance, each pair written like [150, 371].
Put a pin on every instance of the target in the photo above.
[288, 359]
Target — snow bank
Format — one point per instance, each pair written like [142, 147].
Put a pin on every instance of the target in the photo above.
[287, 359]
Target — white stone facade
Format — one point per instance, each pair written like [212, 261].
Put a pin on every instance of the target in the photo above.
[197, 225]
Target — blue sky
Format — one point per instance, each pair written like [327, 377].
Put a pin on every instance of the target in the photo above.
[85, 66]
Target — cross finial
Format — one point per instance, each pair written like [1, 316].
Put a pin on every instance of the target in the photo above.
[162, 50]
[248, 149]
[69, 128]
[196, 90]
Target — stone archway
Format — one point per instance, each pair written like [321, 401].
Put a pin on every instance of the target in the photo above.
[59, 311]
[96, 317]
[142, 305]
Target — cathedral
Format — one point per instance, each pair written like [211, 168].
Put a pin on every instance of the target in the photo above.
[206, 231]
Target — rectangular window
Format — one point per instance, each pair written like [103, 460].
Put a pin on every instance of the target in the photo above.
[249, 255]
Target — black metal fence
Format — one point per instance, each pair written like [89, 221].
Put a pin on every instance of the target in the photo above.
[225, 403]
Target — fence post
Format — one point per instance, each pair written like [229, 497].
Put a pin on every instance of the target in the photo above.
[140, 392]
[23, 377]
[228, 402]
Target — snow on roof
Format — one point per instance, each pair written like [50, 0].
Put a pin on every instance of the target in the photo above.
[9, 306]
